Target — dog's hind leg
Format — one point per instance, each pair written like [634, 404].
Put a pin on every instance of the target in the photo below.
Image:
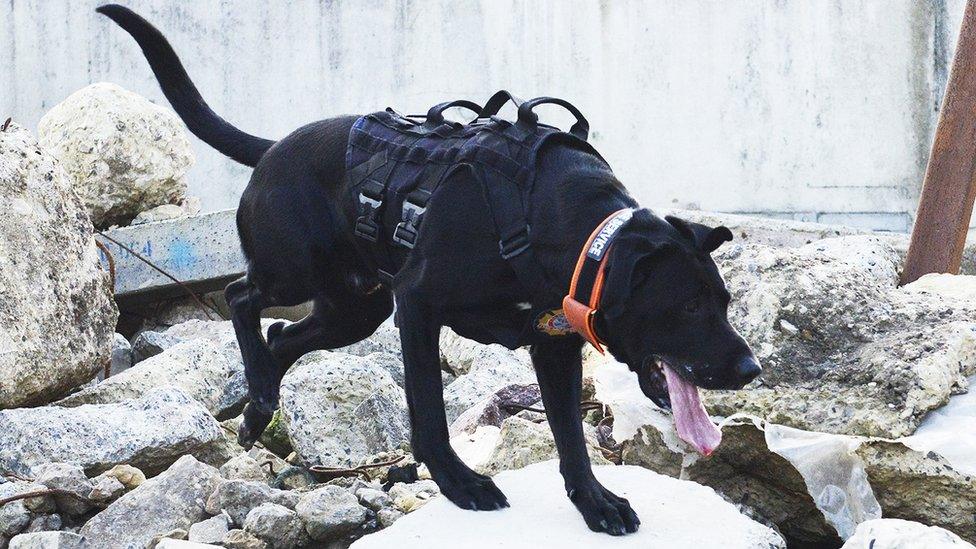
[558, 366]
[335, 321]
[260, 368]
[425, 398]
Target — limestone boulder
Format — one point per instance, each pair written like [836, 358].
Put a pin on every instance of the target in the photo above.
[844, 349]
[124, 153]
[339, 409]
[150, 432]
[57, 314]
[172, 500]
[211, 374]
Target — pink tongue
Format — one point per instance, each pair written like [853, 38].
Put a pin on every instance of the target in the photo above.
[690, 418]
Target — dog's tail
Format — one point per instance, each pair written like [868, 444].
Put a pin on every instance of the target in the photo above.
[183, 95]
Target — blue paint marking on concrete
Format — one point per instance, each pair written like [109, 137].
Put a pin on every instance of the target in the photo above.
[182, 255]
[147, 249]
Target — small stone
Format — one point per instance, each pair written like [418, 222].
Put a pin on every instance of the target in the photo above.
[70, 478]
[121, 357]
[240, 539]
[238, 497]
[45, 523]
[787, 327]
[48, 540]
[106, 489]
[130, 477]
[373, 498]
[174, 534]
[278, 526]
[410, 497]
[387, 516]
[330, 513]
[243, 467]
[212, 530]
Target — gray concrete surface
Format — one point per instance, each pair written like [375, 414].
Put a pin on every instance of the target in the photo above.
[816, 111]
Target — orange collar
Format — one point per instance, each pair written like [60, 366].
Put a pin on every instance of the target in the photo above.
[586, 286]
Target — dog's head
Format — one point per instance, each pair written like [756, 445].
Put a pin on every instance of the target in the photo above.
[664, 307]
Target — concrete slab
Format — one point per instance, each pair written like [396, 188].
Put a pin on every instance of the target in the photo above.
[202, 251]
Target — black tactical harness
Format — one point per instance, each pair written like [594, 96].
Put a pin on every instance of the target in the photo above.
[395, 164]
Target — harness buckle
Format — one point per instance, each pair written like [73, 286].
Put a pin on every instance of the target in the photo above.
[370, 201]
[414, 206]
[515, 244]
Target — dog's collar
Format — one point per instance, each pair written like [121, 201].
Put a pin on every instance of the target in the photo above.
[586, 286]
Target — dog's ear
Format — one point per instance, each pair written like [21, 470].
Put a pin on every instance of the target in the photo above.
[705, 238]
[627, 266]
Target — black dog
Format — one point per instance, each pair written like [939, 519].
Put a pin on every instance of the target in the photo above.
[662, 312]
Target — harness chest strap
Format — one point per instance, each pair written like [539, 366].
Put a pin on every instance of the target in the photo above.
[586, 286]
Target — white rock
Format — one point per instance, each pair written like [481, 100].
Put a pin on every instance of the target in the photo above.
[675, 514]
[386, 339]
[408, 497]
[277, 525]
[340, 409]
[70, 478]
[236, 498]
[121, 357]
[126, 155]
[213, 375]
[16, 515]
[244, 467]
[330, 512]
[173, 500]
[492, 368]
[170, 543]
[57, 314]
[902, 534]
[149, 432]
[212, 530]
[48, 540]
[160, 213]
[106, 489]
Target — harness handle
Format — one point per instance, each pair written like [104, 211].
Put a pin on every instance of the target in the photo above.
[435, 116]
[497, 101]
[529, 120]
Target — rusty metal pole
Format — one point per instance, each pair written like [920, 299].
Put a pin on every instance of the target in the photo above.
[946, 203]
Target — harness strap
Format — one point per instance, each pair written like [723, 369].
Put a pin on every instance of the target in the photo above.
[586, 286]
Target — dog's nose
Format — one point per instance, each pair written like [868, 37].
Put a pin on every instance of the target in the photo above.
[747, 369]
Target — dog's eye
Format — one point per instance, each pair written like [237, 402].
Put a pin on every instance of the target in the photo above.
[693, 306]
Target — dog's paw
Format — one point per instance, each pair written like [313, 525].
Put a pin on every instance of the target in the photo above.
[255, 421]
[478, 493]
[603, 510]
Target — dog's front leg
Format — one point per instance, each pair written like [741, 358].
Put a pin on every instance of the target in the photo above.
[558, 366]
[425, 398]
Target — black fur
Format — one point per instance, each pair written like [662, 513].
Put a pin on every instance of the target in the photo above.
[664, 298]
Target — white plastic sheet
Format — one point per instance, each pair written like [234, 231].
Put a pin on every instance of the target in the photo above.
[833, 473]
[950, 432]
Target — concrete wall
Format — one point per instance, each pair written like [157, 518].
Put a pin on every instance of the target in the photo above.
[819, 111]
